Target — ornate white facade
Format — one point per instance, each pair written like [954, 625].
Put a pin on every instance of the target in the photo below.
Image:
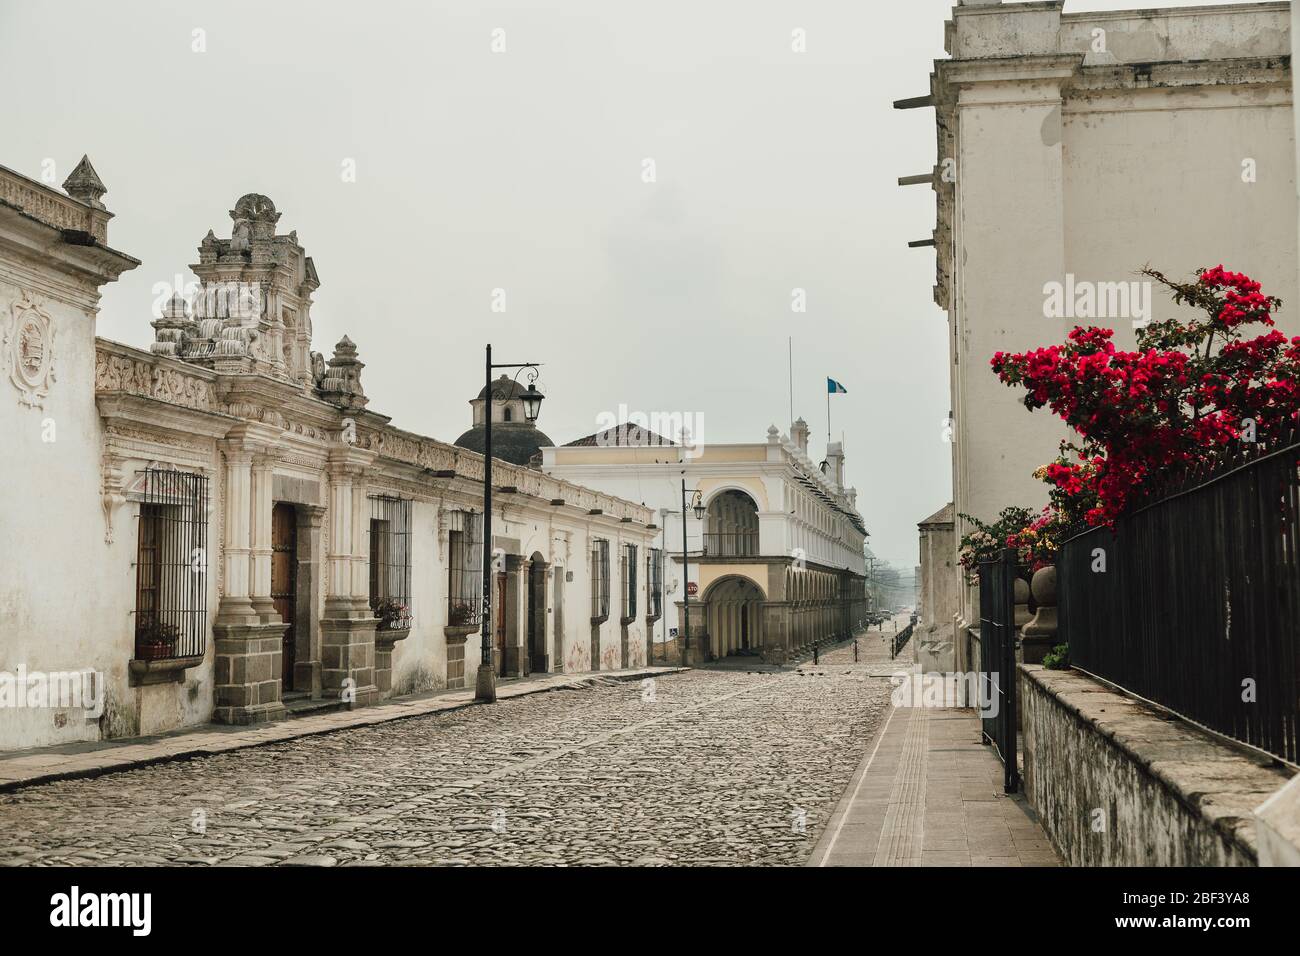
[778, 560]
[220, 525]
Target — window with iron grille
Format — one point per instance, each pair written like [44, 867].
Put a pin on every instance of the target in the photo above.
[171, 567]
[655, 581]
[464, 569]
[627, 574]
[390, 561]
[600, 578]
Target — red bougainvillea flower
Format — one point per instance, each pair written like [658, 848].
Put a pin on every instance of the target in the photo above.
[1190, 394]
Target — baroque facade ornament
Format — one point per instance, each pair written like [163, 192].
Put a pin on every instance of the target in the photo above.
[122, 373]
[29, 350]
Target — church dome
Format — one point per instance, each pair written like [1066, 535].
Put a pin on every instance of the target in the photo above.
[514, 438]
[515, 442]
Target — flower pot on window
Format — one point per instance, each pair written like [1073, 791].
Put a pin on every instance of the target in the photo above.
[156, 640]
[393, 616]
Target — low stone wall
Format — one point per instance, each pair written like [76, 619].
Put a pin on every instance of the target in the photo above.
[1116, 783]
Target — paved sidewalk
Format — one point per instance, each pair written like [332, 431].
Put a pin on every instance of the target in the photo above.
[24, 768]
[928, 793]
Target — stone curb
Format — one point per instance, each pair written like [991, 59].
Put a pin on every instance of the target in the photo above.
[40, 767]
[1213, 779]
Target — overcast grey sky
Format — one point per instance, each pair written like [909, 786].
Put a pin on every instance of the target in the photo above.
[522, 171]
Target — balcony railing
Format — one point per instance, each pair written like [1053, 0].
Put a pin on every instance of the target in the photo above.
[731, 544]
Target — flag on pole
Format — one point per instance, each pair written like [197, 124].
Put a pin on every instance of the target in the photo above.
[835, 388]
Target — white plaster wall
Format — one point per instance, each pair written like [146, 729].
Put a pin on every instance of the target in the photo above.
[67, 596]
[55, 594]
[420, 661]
[1181, 203]
[1097, 187]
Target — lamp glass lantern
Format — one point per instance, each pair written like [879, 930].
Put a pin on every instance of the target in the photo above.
[532, 400]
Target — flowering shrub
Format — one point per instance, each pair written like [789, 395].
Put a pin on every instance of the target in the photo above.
[986, 540]
[1037, 542]
[1191, 392]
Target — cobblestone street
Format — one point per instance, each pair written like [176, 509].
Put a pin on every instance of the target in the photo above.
[702, 767]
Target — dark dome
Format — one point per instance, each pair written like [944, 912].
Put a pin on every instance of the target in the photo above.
[504, 389]
[515, 442]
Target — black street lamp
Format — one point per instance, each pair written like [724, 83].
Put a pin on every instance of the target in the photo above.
[697, 504]
[485, 687]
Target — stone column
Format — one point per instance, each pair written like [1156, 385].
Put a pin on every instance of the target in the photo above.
[516, 663]
[261, 503]
[310, 587]
[248, 646]
[235, 546]
[348, 626]
[776, 631]
[360, 557]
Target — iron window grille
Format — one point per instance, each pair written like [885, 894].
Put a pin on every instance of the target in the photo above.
[390, 561]
[171, 567]
[655, 581]
[627, 573]
[600, 578]
[465, 569]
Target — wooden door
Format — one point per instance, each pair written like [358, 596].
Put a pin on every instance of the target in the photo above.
[284, 578]
[501, 625]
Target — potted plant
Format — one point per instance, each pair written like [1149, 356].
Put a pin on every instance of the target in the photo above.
[156, 640]
[393, 615]
[460, 614]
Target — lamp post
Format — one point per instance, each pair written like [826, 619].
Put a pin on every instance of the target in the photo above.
[697, 503]
[485, 687]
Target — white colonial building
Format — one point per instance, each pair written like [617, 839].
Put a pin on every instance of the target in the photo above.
[776, 562]
[220, 527]
[1072, 150]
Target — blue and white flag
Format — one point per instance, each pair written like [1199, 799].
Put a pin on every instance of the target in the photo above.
[835, 388]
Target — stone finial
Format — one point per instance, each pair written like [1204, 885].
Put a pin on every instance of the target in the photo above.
[255, 217]
[342, 383]
[84, 184]
[176, 309]
[773, 436]
[171, 327]
[799, 432]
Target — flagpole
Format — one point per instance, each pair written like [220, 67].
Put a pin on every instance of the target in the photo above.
[828, 413]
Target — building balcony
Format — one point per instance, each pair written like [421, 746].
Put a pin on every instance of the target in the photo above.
[731, 544]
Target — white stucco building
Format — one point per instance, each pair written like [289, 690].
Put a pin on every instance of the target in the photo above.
[777, 561]
[1076, 148]
[220, 527]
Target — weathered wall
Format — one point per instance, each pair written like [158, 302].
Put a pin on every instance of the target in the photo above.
[1064, 161]
[933, 642]
[1116, 784]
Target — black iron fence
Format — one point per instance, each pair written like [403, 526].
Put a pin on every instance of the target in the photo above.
[997, 675]
[1193, 601]
[901, 639]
